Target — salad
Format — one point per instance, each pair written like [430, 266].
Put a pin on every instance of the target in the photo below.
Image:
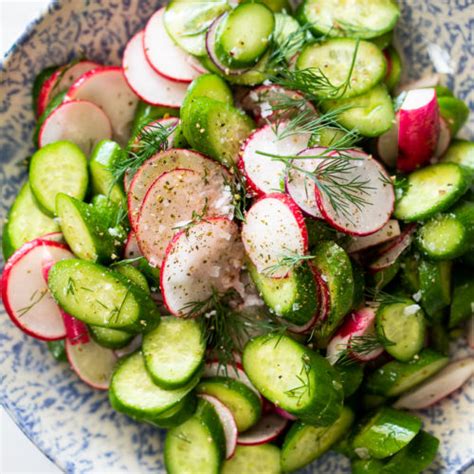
[253, 236]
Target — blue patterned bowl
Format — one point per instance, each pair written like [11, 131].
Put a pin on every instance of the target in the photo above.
[74, 425]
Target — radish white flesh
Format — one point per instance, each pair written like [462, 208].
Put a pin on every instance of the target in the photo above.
[357, 324]
[159, 164]
[267, 429]
[145, 81]
[274, 227]
[61, 80]
[374, 191]
[388, 232]
[132, 250]
[107, 88]
[263, 174]
[444, 138]
[171, 204]
[228, 424]
[162, 53]
[387, 146]
[206, 257]
[445, 382]
[284, 414]
[418, 129]
[78, 121]
[25, 293]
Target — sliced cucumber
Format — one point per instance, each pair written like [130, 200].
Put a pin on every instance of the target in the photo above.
[254, 76]
[383, 277]
[327, 136]
[358, 19]
[461, 152]
[99, 296]
[394, 67]
[242, 401]
[26, 222]
[454, 111]
[371, 113]
[111, 338]
[286, 29]
[351, 377]
[394, 378]
[146, 113]
[278, 5]
[276, 365]
[385, 433]
[367, 466]
[318, 231]
[335, 57]
[435, 286]
[305, 443]
[462, 298]
[133, 274]
[402, 328]
[294, 297]
[178, 414]
[57, 350]
[409, 272]
[196, 446]
[430, 190]
[174, 351]
[383, 41]
[259, 459]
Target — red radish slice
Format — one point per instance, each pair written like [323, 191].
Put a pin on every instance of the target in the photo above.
[132, 346]
[61, 80]
[387, 146]
[274, 227]
[196, 64]
[25, 294]
[324, 296]
[263, 174]
[107, 88]
[419, 129]
[388, 232]
[76, 331]
[228, 424]
[206, 257]
[267, 429]
[167, 59]
[284, 414]
[389, 253]
[444, 138]
[445, 382]
[376, 194]
[159, 164]
[132, 250]
[147, 83]
[470, 330]
[77, 121]
[171, 204]
[357, 324]
[54, 237]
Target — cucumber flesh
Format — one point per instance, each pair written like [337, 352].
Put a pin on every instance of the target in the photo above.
[259, 459]
[461, 152]
[454, 111]
[367, 466]
[133, 274]
[462, 299]
[110, 338]
[435, 286]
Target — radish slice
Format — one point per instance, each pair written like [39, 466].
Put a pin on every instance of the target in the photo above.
[444, 138]
[132, 346]
[171, 204]
[267, 429]
[206, 257]
[228, 424]
[388, 232]
[418, 129]
[445, 382]
[145, 81]
[132, 250]
[377, 197]
[357, 324]
[54, 237]
[25, 293]
[387, 146]
[76, 331]
[164, 56]
[77, 121]
[263, 174]
[159, 164]
[107, 88]
[324, 296]
[274, 227]
[284, 414]
[470, 332]
[61, 80]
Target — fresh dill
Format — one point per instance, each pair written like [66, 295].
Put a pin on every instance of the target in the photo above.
[238, 188]
[381, 297]
[71, 287]
[196, 217]
[305, 381]
[127, 261]
[288, 261]
[359, 345]
[35, 299]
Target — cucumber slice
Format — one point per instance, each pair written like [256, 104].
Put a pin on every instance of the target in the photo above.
[133, 274]
[431, 190]
[358, 19]
[396, 377]
[110, 338]
[351, 377]
[367, 466]
[196, 446]
[104, 155]
[435, 286]
[385, 433]
[462, 299]
[133, 392]
[99, 296]
[146, 113]
[409, 273]
[254, 76]
[216, 129]
[293, 297]
[335, 57]
[383, 41]
[25, 222]
[177, 415]
[383, 277]
[286, 26]
[243, 402]
[278, 5]
[371, 114]
[259, 459]
[174, 351]
[244, 35]
[415, 457]
[187, 22]
[394, 68]
[461, 152]
[57, 350]
[318, 231]
[454, 111]
[402, 325]
[295, 378]
[305, 443]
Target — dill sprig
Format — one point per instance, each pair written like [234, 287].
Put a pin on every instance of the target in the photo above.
[305, 381]
[240, 197]
[288, 261]
[361, 345]
[35, 298]
[382, 298]
[196, 217]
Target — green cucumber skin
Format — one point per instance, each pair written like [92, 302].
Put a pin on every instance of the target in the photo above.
[382, 278]
[110, 338]
[383, 41]
[394, 74]
[454, 111]
[386, 380]
[133, 274]
[351, 378]
[146, 113]
[367, 466]
[409, 276]
[385, 433]
[435, 286]
[252, 77]
[7, 248]
[461, 152]
[57, 350]
[186, 409]
[257, 459]
[55, 102]
[462, 298]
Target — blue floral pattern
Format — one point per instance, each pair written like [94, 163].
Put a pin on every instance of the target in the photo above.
[73, 424]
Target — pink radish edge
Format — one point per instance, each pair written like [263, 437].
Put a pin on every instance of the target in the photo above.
[268, 428]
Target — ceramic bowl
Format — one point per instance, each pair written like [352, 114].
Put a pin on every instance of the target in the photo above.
[75, 425]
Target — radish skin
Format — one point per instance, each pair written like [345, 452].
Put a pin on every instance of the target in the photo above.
[270, 426]
[388, 232]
